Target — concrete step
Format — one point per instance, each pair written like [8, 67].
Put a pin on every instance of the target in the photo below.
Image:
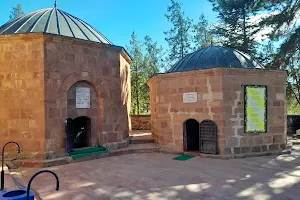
[132, 148]
[144, 139]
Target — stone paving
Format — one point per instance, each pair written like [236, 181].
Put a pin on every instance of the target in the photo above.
[153, 176]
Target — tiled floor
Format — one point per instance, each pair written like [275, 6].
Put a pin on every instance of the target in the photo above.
[156, 176]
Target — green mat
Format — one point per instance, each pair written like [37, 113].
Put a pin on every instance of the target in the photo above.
[88, 152]
[183, 157]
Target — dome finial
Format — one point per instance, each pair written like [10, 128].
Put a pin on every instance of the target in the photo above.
[54, 3]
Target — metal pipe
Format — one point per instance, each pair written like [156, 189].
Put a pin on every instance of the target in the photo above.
[2, 171]
[51, 172]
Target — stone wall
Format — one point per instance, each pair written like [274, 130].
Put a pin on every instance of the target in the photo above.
[22, 94]
[168, 112]
[220, 98]
[140, 122]
[236, 140]
[36, 73]
[68, 61]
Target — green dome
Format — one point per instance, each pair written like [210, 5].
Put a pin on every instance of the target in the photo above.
[53, 21]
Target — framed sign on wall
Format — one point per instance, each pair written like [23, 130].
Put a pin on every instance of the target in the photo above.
[83, 97]
[255, 118]
[190, 97]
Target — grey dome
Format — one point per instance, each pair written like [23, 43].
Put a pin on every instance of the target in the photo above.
[215, 56]
[54, 21]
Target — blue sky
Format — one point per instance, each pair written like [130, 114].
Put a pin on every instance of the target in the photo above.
[117, 19]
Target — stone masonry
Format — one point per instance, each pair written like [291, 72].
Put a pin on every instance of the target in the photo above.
[36, 73]
[140, 122]
[220, 99]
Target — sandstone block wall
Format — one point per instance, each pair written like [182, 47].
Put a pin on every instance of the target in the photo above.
[141, 122]
[168, 112]
[22, 94]
[220, 98]
[38, 71]
[69, 61]
[237, 141]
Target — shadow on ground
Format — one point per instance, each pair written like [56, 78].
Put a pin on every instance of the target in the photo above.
[156, 176]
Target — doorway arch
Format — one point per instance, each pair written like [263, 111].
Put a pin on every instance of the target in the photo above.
[86, 117]
[191, 130]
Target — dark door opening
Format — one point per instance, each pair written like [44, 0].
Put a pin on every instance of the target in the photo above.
[82, 132]
[191, 135]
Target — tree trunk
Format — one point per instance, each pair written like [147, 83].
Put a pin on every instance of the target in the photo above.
[181, 40]
[245, 43]
[137, 91]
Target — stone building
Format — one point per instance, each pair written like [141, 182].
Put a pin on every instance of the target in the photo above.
[55, 66]
[219, 101]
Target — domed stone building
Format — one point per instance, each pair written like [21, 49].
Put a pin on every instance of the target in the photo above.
[53, 67]
[219, 100]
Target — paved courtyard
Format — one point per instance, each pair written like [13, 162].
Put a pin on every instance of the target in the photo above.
[156, 176]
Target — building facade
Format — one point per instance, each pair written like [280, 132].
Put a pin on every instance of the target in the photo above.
[219, 101]
[54, 67]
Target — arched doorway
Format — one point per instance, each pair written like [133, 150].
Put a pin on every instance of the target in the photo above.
[191, 127]
[85, 120]
[82, 132]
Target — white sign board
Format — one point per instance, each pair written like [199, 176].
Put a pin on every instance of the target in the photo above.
[83, 97]
[190, 97]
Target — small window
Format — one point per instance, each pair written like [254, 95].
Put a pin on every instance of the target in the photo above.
[255, 109]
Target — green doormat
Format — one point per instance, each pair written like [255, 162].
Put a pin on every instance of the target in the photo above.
[88, 152]
[183, 157]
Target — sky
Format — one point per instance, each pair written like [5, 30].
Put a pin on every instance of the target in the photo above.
[117, 19]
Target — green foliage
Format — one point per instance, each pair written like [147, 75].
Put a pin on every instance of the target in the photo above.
[234, 28]
[202, 34]
[146, 62]
[293, 107]
[179, 36]
[283, 21]
[16, 12]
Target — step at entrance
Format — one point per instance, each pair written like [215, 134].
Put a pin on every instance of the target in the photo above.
[144, 139]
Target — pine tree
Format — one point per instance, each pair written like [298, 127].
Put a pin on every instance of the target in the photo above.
[235, 29]
[202, 34]
[152, 65]
[286, 30]
[135, 50]
[283, 21]
[146, 62]
[16, 12]
[153, 56]
[179, 36]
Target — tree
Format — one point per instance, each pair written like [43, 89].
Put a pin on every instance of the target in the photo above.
[179, 36]
[135, 49]
[153, 56]
[235, 28]
[293, 81]
[152, 65]
[202, 33]
[146, 62]
[16, 12]
[283, 19]
[266, 53]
